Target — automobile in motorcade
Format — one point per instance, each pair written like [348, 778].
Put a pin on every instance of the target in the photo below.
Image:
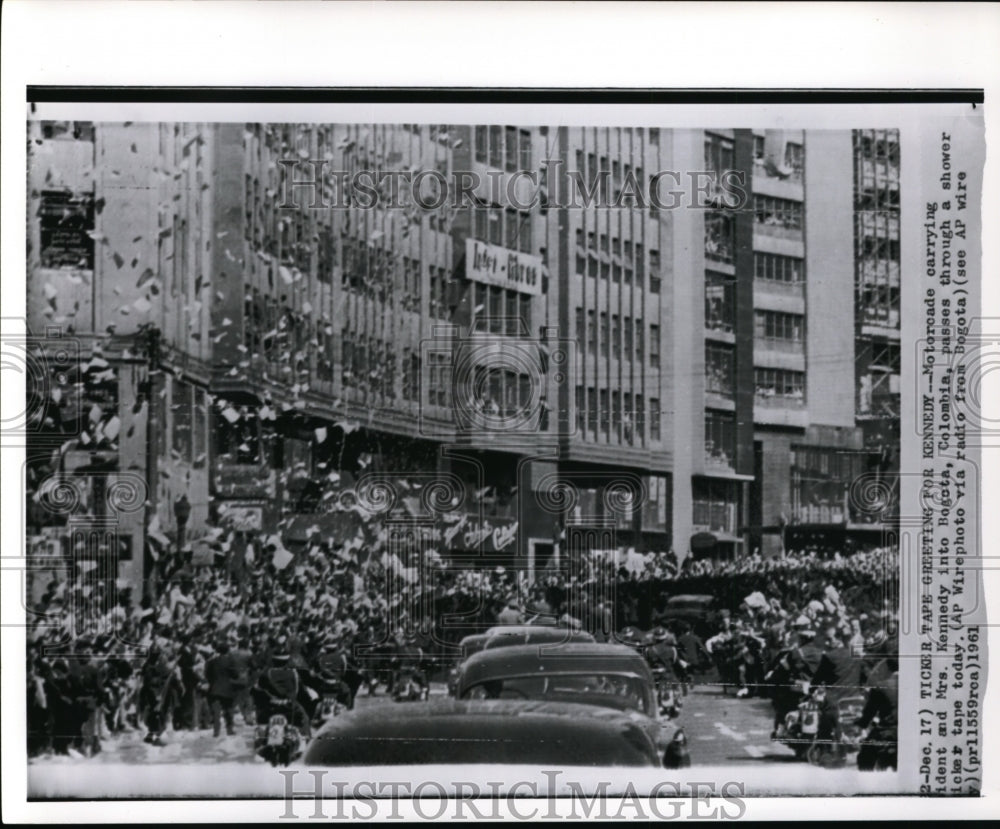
[698, 610]
[463, 732]
[598, 675]
[502, 636]
[467, 646]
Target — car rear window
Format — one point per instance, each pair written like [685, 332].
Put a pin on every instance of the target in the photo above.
[611, 690]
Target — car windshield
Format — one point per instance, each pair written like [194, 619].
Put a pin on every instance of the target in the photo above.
[611, 690]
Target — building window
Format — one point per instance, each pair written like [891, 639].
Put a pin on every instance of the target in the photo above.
[629, 344]
[654, 136]
[720, 437]
[781, 384]
[616, 415]
[718, 154]
[591, 412]
[605, 414]
[716, 504]
[774, 212]
[654, 419]
[525, 149]
[778, 326]
[720, 241]
[654, 271]
[581, 332]
[503, 147]
[719, 369]
[821, 479]
[720, 301]
[795, 157]
[591, 334]
[628, 419]
[505, 228]
[654, 346]
[604, 334]
[776, 268]
[581, 411]
[640, 418]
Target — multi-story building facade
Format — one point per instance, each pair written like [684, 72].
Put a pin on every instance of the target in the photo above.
[877, 317]
[509, 369]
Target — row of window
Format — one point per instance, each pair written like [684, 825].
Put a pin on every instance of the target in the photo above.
[507, 148]
[504, 227]
[499, 310]
[624, 335]
[779, 325]
[774, 267]
[612, 170]
[616, 416]
[275, 332]
[779, 382]
[775, 212]
[369, 363]
[617, 260]
[878, 144]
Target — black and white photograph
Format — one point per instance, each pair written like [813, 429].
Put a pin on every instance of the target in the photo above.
[556, 448]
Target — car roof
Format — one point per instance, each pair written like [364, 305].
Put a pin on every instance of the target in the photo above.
[692, 597]
[535, 635]
[483, 731]
[586, 657]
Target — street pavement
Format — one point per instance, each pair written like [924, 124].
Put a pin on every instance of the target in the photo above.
[721, 730]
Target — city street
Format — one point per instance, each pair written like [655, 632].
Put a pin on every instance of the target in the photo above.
[721, 730]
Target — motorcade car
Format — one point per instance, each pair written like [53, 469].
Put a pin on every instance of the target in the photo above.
[598, 675]
[461, 732]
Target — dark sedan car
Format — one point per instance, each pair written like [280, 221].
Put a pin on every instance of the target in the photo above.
[602, 676]
[504, 636]
[701, 612]
[453, 732]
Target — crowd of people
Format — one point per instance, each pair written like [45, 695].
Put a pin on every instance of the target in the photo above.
[102, 660]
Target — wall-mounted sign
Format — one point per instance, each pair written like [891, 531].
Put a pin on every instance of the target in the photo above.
[494, 265]
[241, 516]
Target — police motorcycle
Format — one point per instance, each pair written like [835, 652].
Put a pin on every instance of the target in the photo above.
[668, 693]
[279, 742]
[801, 728]
[666, 681]
[277, 738]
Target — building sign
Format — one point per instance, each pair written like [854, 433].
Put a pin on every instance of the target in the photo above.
[242, 517]
[66, 222]
[494, 265]
[463, 531]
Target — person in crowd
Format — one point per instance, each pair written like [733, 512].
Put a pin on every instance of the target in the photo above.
[160, 693]
[222, 675]
[280, 689]
[511, 613]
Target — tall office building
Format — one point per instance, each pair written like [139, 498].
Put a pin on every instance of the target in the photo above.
[560, 362]
[877, 317]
